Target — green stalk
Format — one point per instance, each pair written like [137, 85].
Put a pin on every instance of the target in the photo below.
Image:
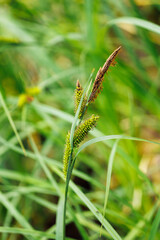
[69, 172]
[70, 165]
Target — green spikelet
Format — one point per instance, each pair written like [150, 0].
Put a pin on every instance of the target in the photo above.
[77, 98]
[83, 130]
[67, 152]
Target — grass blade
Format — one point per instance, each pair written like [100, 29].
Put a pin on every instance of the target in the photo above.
[43, 165]
[137, 22]
[96, 213]
[59, 220]
[109, 172]
[26, 232]
[111, 137]
[11, 122]
[155, 225]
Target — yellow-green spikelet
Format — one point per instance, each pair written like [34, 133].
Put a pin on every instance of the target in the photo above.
[83, 130]
[77, 98]
[67, 152]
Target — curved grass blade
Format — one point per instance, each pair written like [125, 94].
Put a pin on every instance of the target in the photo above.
[53, 111]
[61, 76]
[137, 22]
[109, 173]
[95, 211]
[111, 137]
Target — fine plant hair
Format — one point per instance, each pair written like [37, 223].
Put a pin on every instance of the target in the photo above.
[81, 126]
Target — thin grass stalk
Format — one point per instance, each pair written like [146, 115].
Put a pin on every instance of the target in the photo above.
[69, 172]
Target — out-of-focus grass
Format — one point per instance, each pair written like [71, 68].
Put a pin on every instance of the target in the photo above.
[50, 44]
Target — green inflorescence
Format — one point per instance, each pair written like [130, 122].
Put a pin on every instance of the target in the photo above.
[79, 135]
[67, 153]
[83, 129]
[77, 97]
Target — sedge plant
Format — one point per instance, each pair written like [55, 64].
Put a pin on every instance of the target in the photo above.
[81, 125]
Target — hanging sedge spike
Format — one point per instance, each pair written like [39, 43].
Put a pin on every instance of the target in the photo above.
[67, 152]
[77, 98]
[97, 85]
[83, 129]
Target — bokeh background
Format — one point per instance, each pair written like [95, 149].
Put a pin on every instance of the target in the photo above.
[45, 46]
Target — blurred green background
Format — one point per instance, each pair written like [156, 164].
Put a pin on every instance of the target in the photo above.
[45, 46]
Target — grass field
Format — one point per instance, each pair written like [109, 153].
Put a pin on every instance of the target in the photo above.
[114, 192]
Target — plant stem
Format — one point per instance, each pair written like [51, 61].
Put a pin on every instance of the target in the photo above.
[69, 172]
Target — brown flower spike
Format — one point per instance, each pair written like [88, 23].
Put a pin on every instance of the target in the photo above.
[97, 86]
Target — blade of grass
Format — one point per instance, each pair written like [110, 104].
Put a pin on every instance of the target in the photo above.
[130, 49]
[24, 178]
[11, 122]
[43, 202]
[43, 165]
[53, 111]
[111, 137]
[19, 190]
[119, 150]
[59, 219]
[91, 225]
[60, 76]
[8, 217]
[155, 225]
[137, 22]
[109, 173]
[26, 232]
